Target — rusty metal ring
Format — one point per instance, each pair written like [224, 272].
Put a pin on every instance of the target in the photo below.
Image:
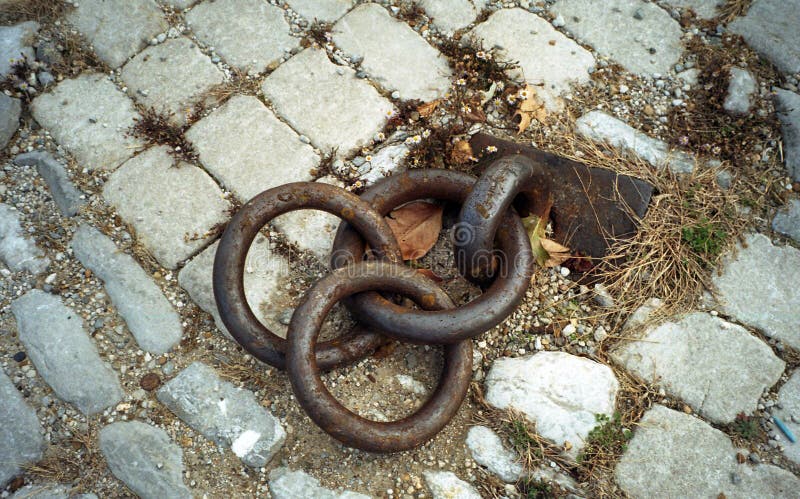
[440, 326]
[342, 424]
[229, 263]
[484, 208]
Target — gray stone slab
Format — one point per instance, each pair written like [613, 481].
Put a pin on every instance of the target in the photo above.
[145, 459]
[268, 153]
[759, 285]
[741, 88]
[91, 118]
[705, 9]
[49, 491]
[175, 211]
[392, 53]
[116, 37]
[789, 414]
[640, 35]
[445, 485]
[16, 251]
[65, 195]
[677, 455]
[171, 78]
[787, 220]
[15, 44]
[147, 312]
[321, 10]
[487, 450]
[10, 109]
[787, 106]
[21, 439]
[451, 15]
[547, 59]
[716, 367]
[180, 4]
[229, 416]
[62, 352]
[287, 484]
[254, 34]
[770, 27]
[603, 128]
[326, 102]
[266, 275]
[559, 392]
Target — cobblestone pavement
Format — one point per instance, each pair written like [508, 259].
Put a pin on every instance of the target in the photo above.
[131, 130]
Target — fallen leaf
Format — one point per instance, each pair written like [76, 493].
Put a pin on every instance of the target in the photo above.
[529, 109]
[427, 108]
[557, 253]
[462, 153]
[416, 226]
[547, 253]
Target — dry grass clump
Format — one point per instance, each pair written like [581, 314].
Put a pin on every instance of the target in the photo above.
[733, 9]
[157, 129]
[240, 83]
[16, 11]
[79, 463]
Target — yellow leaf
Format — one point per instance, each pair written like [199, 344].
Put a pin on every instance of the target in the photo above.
[529, 109]
[462, 153]
[427, 108]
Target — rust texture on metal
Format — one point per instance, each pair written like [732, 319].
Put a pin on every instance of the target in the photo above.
[344, 425]
[591, 206]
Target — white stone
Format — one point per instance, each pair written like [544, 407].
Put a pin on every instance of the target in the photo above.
[336, 111]
[287, 484]
[91, 118]
[248, 150]
[21, 439]
[642, 315]
[17, 252]
[321, 10]
[603, 128]
[410, 384]
[787, 106]
[394, 55]
[174, 212]
[266, 276]
[254, 34]
[116, 37]
[15, 44]
[677, 455]
[716, 367]
[611, 28]
[789, 399]
[446, 485]
[559, 392]
[10, 110]
[741, 87]
[770, 27]
[387, 161]
[171, 78]
[705, 9]
[487, 450]
[451, 15]
[770, 275]
[787, 220]
[547, 59]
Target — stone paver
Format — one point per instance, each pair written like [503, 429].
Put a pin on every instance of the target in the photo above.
[741, 88]
[770, 27]
[10, 110]
[545, 56]
[326, 102]
[676, 455]
[705, 9]
[266, 275]
[91, 118]
[149, 316]
[171, 78]
[65, 195]
[789, 414]
[601, 127]
[787, 106]
[559, 392]
[180, 4]
[117, 37]
[175, 211]
[253, 35]
[268, 153]
[145, 459]
[769, 273]
[393, 54]
[49, 491]
[230, 416]
[452, 15]
[21, 439]
[15, 44]
[640, 35]
[787, 220]
[321, 10]
[63, 354]
[716, 367]
[487, 450]
[446, 485]
[17, 252]
[287, 484]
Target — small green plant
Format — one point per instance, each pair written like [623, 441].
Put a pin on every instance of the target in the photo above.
[745, 426]
[535, 489]
[608, 437]
[704, 238]
[520, 437]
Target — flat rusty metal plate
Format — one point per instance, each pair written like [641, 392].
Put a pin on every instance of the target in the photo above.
[591, 206]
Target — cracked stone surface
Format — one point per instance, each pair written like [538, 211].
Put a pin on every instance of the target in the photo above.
[16, 251]
[672, 453]
[770, 27]
[90, 117]
[789, 414]
[559, 392]
[21, 439]
[716, 367]
[175, 211]
[321, 10]
[546, 57]
[287, 484]
[268, 152]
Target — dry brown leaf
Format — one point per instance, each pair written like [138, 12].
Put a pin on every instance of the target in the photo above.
[529, 109]
[462, 153]
[416, 226]
[557, 254]
[427, 108]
